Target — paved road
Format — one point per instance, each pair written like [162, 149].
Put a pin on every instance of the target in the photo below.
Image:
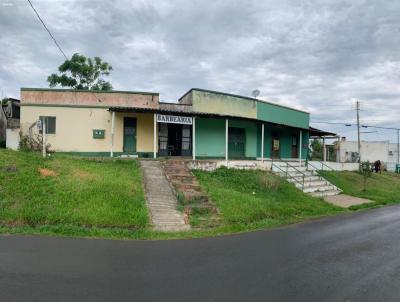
[350, 258]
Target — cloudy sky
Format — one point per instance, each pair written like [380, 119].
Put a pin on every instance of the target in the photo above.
[319, 56]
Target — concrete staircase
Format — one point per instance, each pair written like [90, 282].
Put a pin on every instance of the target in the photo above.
[186, 184]
[161, 199]
[306, 180]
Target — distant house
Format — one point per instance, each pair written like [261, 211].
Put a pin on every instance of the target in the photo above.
[9, 116]
[371, 151]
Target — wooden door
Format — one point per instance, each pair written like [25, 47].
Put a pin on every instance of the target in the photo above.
[130, 135]
[295, 146]
[236, 142]
[275, 147]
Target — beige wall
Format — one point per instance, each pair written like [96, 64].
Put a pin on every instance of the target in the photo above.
[74, 127]
[216, 103]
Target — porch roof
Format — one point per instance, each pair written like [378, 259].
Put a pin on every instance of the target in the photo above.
[181, 109]
[314, 132]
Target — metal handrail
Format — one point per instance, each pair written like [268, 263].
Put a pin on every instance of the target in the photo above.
[288, 175]
[322, 168]
[297, 170]
[316, 169]
[323, 164]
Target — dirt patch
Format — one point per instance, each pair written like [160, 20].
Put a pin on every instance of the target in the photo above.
[47, 173]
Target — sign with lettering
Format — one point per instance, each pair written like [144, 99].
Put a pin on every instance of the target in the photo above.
[174, 119]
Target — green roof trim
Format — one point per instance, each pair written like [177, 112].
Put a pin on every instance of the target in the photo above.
[90, 91]
[240, 96]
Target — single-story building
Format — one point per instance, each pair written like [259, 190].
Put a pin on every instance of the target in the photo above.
[9, 116]
[202, 124]
[385, 151]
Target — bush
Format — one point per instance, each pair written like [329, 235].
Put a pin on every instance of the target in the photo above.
[2, 143]
[268, 181]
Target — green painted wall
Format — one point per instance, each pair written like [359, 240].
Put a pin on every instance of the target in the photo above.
[251, 135]
[210, 137]
[285, 139]
[282, 115]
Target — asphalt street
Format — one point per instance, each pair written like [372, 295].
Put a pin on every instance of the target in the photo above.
[346, 258]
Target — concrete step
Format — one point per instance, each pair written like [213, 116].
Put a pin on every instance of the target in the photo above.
[315, 183]
[326, 193]
[306, 179]
[322, 188]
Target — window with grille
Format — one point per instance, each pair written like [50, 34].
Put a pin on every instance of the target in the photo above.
[50, 122]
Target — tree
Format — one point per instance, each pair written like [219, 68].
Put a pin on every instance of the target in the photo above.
[365, 170]
[316, 148]
[82, 73]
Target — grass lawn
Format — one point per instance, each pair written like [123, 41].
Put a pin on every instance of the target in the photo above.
[66, 192]
[249, 199]
[71, 196]
[381, 188]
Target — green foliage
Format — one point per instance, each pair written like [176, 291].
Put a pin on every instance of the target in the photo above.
[365, 170]
[316, 149]
[4, 101]
[248, 197]
[82, 73]
[382, 188]
[70, 192]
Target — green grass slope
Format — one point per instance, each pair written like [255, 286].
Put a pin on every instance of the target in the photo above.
[64, 191]
[382, 188]
[260, 198]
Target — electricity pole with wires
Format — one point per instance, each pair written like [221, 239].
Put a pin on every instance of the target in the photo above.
[358, 130]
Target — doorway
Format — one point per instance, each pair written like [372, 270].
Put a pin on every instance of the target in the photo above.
[295, 146]
[236, 142]
[174, 139]
[275, 148]
[129, 135]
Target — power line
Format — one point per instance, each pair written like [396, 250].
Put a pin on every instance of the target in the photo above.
[44, 25]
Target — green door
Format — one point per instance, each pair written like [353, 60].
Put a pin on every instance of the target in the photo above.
[129, 135]
[236, 142]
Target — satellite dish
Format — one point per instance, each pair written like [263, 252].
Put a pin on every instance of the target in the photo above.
[255, 93]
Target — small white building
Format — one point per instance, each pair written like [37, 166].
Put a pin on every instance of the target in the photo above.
[371, 151]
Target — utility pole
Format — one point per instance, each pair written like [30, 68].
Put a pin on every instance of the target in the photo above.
[358, 130]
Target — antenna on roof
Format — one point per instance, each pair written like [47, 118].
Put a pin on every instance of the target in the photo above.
[255, 93]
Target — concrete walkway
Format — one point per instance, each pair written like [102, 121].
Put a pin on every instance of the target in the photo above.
[161, 200]
[346, 201]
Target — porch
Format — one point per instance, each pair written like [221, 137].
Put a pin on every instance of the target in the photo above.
[156, 133]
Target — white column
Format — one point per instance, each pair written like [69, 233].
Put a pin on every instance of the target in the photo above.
[44, 137]
[338, 150]
[155, 137]
[323, 149]
[194, 138]
[262, 142]
[300, 144]
[112, 133]
[226, 140]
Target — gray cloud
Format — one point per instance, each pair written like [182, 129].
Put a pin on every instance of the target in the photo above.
[314, 55]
